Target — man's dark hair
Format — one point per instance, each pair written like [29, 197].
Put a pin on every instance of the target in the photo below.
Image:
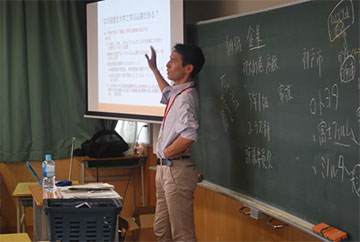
[191, 54]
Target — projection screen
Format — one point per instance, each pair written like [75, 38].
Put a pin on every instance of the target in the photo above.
[120, 84]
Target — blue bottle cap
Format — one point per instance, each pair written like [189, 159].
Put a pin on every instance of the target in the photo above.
[47, 157]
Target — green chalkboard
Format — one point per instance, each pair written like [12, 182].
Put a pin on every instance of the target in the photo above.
[280, 112]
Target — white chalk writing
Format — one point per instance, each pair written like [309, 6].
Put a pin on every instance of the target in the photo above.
[312, 59]
[258, 101]
[348, 69]
[253, 38]
[340, 19]
[358, 114]
[337, 134]
[253, 67]
[271, 64]
[331, 169]
[284, 92]
[259, 127]
[233, 45]
[328, 98]
[257, 156]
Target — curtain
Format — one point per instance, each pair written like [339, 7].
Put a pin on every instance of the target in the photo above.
[43, 79]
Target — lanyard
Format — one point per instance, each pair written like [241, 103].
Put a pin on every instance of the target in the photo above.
[167, 108]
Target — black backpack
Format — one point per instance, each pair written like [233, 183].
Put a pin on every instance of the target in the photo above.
[104, 144]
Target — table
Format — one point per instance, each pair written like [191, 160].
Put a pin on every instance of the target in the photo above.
[23, 237]
[131, 161]
[23, 199]
[40, 226]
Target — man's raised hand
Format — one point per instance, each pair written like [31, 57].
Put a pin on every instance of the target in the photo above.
[152, 60]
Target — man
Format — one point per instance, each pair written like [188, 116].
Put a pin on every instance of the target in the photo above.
[176, 177]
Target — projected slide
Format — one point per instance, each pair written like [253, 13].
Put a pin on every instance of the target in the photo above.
[119, 79]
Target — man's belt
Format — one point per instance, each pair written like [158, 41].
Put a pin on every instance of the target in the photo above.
[169, 162]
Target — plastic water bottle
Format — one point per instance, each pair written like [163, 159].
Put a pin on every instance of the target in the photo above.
[48, 168]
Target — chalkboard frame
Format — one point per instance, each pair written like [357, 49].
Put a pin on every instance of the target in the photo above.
[205, 150]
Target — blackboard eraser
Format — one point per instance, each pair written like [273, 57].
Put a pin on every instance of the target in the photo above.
[330, 232]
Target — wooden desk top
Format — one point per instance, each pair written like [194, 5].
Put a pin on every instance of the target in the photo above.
[36, 192]
[22, 189]
[86, 158]
[37, 195]
[24, 237]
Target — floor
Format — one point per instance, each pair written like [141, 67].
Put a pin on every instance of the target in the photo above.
[145, 234]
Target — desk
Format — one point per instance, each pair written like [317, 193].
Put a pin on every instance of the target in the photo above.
[23, 237]
[132, 161]
[23, 196]
[40, 227]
